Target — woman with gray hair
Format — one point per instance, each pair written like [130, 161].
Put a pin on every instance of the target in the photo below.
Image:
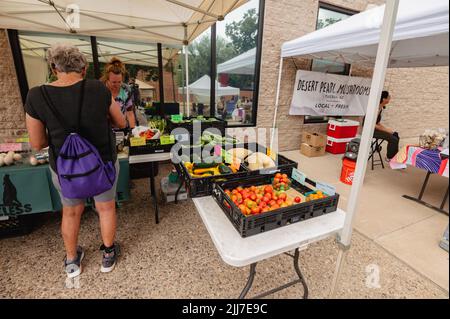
[88, 105]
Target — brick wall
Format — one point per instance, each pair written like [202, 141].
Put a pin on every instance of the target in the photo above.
[419, 95]
[12, 116]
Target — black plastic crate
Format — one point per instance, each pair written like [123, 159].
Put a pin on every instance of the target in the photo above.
[152, 147]
[283, 164]
[256, 224]
[189, 126]
[203, 186]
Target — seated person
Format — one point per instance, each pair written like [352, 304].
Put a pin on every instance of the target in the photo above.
[384, 132]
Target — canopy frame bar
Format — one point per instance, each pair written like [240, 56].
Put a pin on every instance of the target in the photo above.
[187, 6]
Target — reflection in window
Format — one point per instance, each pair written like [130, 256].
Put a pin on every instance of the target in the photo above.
[237, 38]
[328, 15]
[34, 48]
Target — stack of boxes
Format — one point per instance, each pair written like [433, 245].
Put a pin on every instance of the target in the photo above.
[313, 144]
[340, 132]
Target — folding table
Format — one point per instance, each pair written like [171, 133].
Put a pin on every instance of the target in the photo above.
[240, 252]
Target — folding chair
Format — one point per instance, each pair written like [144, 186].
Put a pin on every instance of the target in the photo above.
[376, 148]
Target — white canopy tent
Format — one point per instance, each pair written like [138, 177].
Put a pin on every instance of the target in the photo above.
[155, 21]
[129, 52]
[242, 64]
[402, 33]
[202, 89]
[176, 22]
[420, 37]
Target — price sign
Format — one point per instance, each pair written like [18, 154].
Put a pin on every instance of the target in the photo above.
[227, 157]
[176, 118]
[167, 139]
[326, 188]
[298, 176]
[137, 141]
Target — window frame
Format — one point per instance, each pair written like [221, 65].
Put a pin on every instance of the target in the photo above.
[347, 66]
[257, 73]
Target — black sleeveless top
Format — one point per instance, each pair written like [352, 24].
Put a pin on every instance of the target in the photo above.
[94, 123]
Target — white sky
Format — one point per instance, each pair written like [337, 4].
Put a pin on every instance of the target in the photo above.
[236, 15]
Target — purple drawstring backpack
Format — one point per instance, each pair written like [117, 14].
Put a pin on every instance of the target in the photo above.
[79, 166]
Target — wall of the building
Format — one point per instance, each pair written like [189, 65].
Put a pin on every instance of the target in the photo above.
[420, 96]
[12, 116]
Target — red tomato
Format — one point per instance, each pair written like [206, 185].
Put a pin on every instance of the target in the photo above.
[276, 180]
[275, 197]
[253, 197]
[276, 206]
[265, 210]
[280, 201]
[282, 196]
[272, 203]
[284, 176]
[243, 208]
[278, 175]
[233, 198]
[256, 210]
[266, 199]
[268, 189]
[297, 199]
[262, 204]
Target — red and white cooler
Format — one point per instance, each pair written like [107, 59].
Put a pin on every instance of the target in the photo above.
[341, 128]
[337, 145]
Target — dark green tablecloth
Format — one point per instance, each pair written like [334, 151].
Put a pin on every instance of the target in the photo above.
[29, 189]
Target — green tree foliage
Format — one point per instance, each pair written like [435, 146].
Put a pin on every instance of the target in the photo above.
[243, 33]
[322, 23]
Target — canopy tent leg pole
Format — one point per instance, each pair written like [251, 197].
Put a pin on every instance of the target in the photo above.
[337, 273]
[186, 59]
[277, 103]
[379, 75]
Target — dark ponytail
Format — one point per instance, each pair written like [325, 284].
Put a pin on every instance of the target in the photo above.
[384, 95]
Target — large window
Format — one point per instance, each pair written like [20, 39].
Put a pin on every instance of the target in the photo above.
[34, 48]
[328, 15]
[224, 66]
[237, 65]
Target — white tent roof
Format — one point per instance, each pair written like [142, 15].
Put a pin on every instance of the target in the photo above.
[155, 21]
[129, 52]
[242, 64]
[202, 87]
[420, 37]
[143, 85]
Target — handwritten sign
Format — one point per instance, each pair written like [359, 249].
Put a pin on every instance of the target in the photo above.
[167, 139]
[298, 176]
[326, 188]
[176, 118]
[137, 141]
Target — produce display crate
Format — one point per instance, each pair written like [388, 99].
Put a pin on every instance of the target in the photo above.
[151, 147]
[203, 186]
[255, 224]
[284, 165]
[207, 123]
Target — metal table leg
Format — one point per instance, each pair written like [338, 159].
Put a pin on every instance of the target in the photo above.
[249, 283]
[152, 190]
[272, 291]
[422, 191]
[177, 192]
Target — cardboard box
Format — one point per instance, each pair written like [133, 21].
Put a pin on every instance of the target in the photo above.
[312, 151]
[314, 139]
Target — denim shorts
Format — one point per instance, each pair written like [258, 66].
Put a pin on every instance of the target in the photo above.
[103, 197]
